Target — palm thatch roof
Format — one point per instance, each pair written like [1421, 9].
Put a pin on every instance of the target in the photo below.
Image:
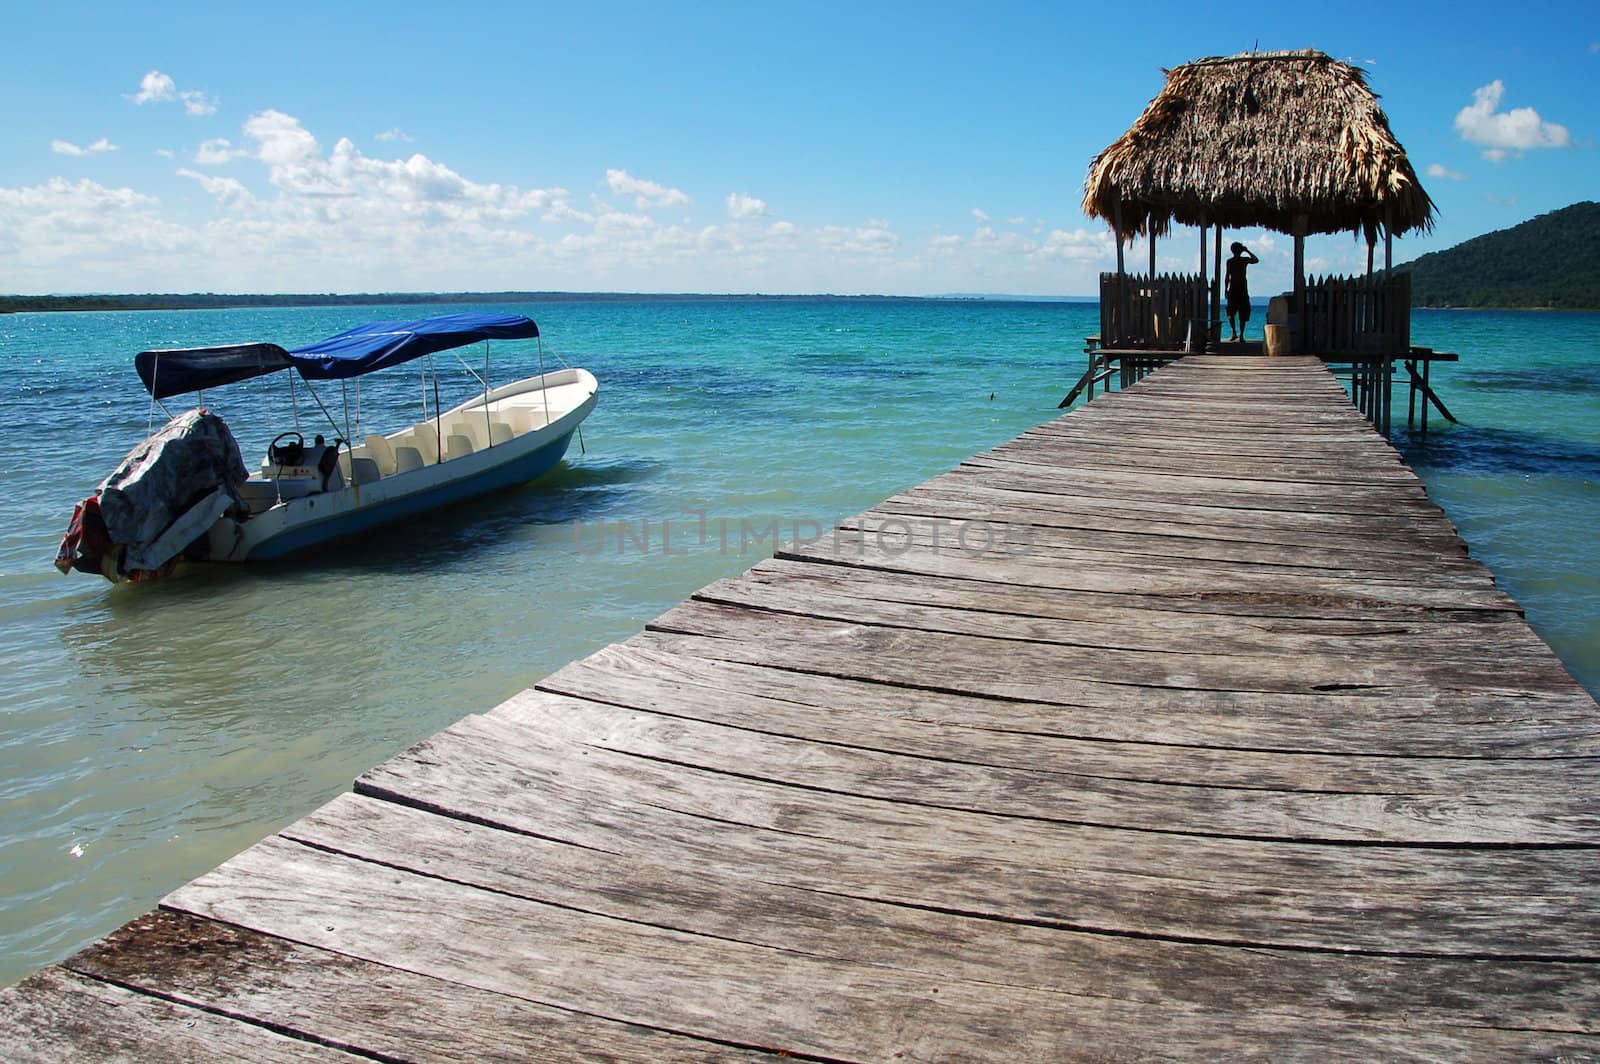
[1254, 140]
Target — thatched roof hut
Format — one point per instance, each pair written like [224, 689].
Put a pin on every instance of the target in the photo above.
[1290, 141]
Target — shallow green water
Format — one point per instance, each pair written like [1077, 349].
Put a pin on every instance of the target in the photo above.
[148, 733]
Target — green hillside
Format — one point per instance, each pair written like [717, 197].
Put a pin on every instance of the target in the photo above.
[1552, 261]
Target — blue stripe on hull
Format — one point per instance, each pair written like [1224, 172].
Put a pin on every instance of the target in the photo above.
[509, 475]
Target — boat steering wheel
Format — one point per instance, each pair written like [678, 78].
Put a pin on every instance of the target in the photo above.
[290, 454]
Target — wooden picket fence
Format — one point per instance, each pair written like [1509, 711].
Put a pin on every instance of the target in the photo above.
[1345, 316]
[1160, 314]
[1357, 317]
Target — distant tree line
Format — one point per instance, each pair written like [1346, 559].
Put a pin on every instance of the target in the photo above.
[213, 300]
[1551, 262]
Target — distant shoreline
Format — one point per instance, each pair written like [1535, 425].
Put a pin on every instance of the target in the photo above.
[224, 301]
[243, 301]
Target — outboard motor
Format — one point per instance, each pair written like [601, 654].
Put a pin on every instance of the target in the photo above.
[165, 495]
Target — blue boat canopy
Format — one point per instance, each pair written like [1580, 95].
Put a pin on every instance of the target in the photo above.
[174, 372]
[381, 344]
[364, 349]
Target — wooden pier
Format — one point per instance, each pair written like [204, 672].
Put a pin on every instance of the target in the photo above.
[1182, 726]
[1371, 377]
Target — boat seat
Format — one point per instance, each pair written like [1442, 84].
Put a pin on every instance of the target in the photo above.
[499, 432]
[406, 459]
[363, 470]
[427, 444]
[382, 452]
[475, 430]
[461, 426]
[457, 445]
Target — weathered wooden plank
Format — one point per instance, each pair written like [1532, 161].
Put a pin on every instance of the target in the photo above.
[795, 1003]
[1386, 471]
[940, 658]
[1196, 421]
[1545, 903]
[55, 1016]
[1071, 499]
[1016, 563]
[1108, 451]
[738, 906]
[1112, 450]
[1192, 491]
[1246, 418]
[1386, 723]
[970, 608]
[1358, 497]
[997, 507]
[973, 531]
[1497, 810]
[379, 1012]
[628, 677]
[1150, 440]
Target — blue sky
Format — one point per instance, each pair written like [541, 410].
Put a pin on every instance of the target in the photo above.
[897, 148]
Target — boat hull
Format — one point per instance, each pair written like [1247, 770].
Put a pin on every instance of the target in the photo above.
[322, 520]
[293, 526]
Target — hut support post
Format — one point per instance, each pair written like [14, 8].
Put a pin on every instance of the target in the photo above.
[1388, 245]
[1116, 227]
[1201, 325]
[1301, 224]
[1149, 327]
[1216, 287]
[1106, 338]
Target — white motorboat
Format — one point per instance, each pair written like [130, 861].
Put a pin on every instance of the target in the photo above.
[184, 492]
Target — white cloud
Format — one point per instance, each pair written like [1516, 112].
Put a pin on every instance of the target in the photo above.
[980, 214]
[417, 186]
[229, 192]
[293, 215]
[217, 152]
[1503, 133]
[742, 206]
[873, 239]
[63, 147]
[562, 212]
[293, 157]
[156, 87]
[1079, 245]
[84, 236]
[198, 104]
[396, 134]
[1444, 173]
[645, 194]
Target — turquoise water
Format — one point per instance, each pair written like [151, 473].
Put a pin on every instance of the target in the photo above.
[149, 733]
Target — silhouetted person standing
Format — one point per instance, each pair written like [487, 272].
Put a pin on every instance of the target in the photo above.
[1237, 290]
